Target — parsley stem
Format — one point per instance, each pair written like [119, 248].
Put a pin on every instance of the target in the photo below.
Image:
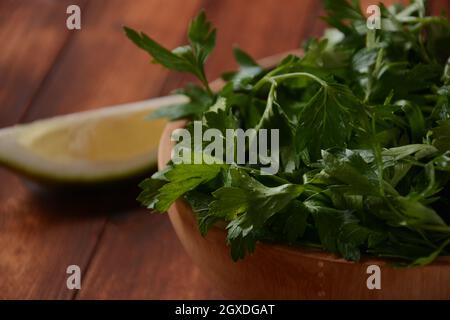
[439, 228]
[257, 173]
[281, 77]
[208, 89]
[297, 75]
[269, 103]
[425, 21]
[205, 83]
[378, 158]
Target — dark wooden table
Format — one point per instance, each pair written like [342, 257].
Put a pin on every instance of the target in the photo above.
[124, 251]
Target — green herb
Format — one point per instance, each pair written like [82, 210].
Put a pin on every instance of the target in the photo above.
[364, 122]
[190, 58]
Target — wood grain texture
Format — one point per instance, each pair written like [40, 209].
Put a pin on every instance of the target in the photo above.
[438, 7]
[140, 257]
[33, 34]
[41, 234]
[102, 67]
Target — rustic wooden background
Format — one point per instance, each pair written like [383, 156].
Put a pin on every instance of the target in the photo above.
[123, 251]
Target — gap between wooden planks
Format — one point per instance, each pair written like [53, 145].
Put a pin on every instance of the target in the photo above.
[34, 41]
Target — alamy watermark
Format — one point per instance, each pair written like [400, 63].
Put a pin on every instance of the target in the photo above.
[237, 146]
[74, 279]
[374, 280]
[73, 21]
[374, 19]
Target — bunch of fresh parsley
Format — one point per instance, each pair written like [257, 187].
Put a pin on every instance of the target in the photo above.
[364, 120]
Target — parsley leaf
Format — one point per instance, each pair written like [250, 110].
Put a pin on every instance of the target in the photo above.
[199, 101]
[189, 58]
[180, 179]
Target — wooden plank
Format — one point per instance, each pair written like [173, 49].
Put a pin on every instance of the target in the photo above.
[139, 256]
[261, 28]
[42, 233]
[436, 7]
[33, 33]
[102, 67]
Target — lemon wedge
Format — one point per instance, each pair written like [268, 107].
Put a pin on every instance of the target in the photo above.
[106, 144]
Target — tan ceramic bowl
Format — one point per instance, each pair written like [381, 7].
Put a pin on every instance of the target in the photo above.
[282, 272]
